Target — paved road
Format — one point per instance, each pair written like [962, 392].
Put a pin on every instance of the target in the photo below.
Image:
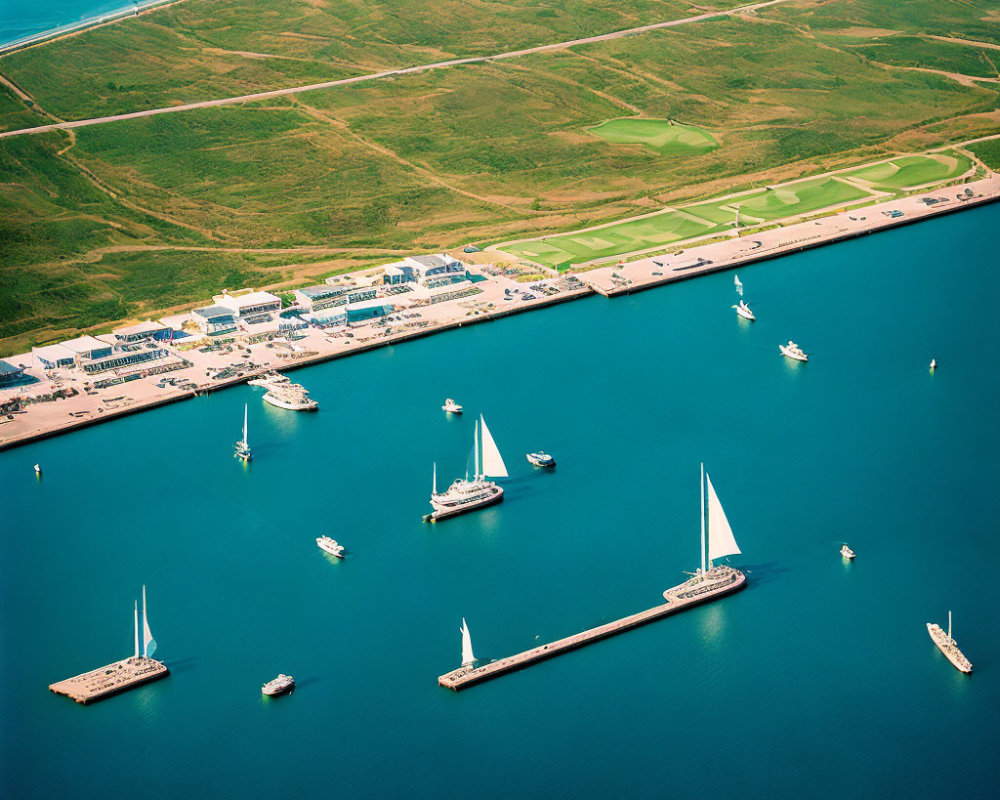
[247, 98]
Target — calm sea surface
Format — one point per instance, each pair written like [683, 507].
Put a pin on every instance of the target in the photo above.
[26, 17]
[818, 681]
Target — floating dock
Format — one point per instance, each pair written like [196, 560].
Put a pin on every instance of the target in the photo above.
[112, 679]
[467, 676]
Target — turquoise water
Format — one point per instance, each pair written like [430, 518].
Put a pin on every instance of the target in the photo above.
[19, 18]
[818, 681]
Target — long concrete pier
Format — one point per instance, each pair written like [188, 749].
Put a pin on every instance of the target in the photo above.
[467, 676]
[112, 679]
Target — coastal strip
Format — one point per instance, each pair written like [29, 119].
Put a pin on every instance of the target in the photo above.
[51, 419]
[390, 73]
[110, 680]
[468, 676]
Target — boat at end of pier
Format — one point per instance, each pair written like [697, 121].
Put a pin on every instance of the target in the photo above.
[793, 351]
[717, 541]
[468, 495]
[949, 646]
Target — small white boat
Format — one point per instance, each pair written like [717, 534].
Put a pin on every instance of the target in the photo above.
[846, 552]
[330, 546]
[933, 364]
[451, 407]
[38, 470]
[541, 459]
[279, 685]
[949, 646]
[793, 351]
[242, 449]
[744, 311]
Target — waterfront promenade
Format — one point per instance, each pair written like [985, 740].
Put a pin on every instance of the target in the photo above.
[497, 298]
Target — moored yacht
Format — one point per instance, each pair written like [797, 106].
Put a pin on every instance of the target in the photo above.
[793, 351]
[290, 396]
[846, 552]
[541, 459]
[279, 685]
[451, 407]
[948, 646]
[717, 541]
[465, 495]
[744, 311]
[330, 546]
[242, 450]
[268, 379]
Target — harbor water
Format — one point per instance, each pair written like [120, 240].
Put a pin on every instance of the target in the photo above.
[818, 681]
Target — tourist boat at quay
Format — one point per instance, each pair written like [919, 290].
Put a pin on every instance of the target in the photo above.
[268, 379]
[793, 351]
[330, 546]
[283, 683]
[290, 396]
[717, 541]
[541, 459]
[464, 495]
[451, 407]
[846, 552]
[744, 311]
[948, 646]
[242, 450]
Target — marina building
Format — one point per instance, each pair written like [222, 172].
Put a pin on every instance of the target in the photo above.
[317, 298]
[148, 331]
[124, 356]
[252, 307]
[427, 271]
[53, 356]
[214, 320]
[9, 374]
[87, 348]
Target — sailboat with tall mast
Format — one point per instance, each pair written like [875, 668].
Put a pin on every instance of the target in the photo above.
[242, 450]
[468, 495]
[949, 646]
[468, 657]
[711, 580]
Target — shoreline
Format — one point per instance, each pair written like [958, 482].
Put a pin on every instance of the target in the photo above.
[634, 276]
[94, 21]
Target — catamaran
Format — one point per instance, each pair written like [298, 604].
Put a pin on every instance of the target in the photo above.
[242, 450]
[717, 541]
[465, 495]
[948, 646]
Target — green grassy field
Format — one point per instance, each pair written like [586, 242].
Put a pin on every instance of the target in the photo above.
[663, 136]
[988, 152]
[916, 51]
[484, 153]
[901, 173]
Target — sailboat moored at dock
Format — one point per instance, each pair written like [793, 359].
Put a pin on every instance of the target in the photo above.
[464, 495]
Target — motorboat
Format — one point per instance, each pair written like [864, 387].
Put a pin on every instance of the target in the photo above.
[744, 311]
[451, 407]
[541, 459]
[283, 683]
[330, 546]
[846, 552]
[793, 351]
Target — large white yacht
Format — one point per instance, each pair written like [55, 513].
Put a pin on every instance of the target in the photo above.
[793, 351]
[948, 646]
[330, 546]
[268, 379]
[279, 685]
[465, 495]
[291, 396]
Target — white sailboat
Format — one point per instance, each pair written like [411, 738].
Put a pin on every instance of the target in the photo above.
[468, 657]
[465, 495]
[242, 450]
[148, 642]
[717, 541]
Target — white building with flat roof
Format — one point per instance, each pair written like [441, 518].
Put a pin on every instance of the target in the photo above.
[143, 331]
[427, 271]
[52, 356]
[249, 306]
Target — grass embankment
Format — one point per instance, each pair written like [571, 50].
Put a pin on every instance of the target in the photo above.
[663, 136]
[422, 162]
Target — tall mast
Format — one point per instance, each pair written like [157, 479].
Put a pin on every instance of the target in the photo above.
[702, 487]
[476, 440]
[434, 482]
[136, 628]
[949, 624]
[244, 424]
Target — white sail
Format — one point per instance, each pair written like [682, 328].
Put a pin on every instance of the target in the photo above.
[739, 286]
[434, 480]
[475, 447]
[704, 563]
[721, 541]
[493, 465]
[244, 424]
[137, 629]
[148, 642]
[468, 657]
